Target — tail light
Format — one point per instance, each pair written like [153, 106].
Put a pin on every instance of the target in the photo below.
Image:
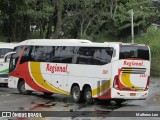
[116, 82]
[147, 86]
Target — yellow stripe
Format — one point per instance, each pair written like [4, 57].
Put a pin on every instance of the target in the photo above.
[38, 78]
[125, 78]
[102, 88]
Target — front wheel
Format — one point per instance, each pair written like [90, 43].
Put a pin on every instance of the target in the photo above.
[88, 95]
[21, 88]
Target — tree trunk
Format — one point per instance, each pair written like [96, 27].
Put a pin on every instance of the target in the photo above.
[27, 30]
[13, 28]
[59, 18]
[49, 29]
[41, 29]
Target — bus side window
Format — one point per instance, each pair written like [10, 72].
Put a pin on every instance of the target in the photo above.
[40, 53]
[92, 55]
[109, 53]
[75, 55]
[27, 55]
[84, 55]
[55, 54]
[66, 54]
[18, 51]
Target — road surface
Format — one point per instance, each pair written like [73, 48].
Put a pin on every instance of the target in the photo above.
[11, 100]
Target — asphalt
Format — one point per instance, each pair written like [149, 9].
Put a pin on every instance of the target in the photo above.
[11, 100]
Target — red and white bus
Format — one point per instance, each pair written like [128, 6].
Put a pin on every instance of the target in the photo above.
[84, 69]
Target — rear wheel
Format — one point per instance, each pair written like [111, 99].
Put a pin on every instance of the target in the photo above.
[21, 88]
[88, 95]
[76, 94]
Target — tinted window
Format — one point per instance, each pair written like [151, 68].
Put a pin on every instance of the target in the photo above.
[61, 54]
[13, 62]
[50, 54]
[138, 52]
[66, 54]
[18, 51]
[44, 54]
[93, 55]
[40, 53]
[9, 50]
[28, 54]
[4, 51]
[14, 58]
[55, 56]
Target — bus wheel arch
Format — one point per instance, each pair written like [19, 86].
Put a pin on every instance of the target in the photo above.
[21, 87]
[87, 94]
[76, 93]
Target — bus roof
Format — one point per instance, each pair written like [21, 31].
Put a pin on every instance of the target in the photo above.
[8, 45]
[70, 42]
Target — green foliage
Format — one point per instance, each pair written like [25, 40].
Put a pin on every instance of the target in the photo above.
[152, 38]
[143, 12]
[76, 19]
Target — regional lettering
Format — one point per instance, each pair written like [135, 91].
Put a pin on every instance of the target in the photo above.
[133, 63]
[56, 68]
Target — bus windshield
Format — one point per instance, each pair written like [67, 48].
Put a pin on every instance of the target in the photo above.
[134, 52]
[3, 51]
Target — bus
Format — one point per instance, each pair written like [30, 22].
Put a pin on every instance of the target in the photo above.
[4, 64]
[80, 68]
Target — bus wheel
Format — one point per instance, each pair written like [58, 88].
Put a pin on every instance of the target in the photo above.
[76, 94]
[47, 94]
[88, 95]
[21, 88]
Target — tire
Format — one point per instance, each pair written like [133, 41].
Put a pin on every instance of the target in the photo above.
[21, 88]
[88, 95]
[76, 94]
[47, 94]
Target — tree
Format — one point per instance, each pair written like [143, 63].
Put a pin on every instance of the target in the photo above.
[143, 12]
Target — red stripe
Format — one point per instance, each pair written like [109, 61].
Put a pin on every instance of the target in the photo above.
[22, 71]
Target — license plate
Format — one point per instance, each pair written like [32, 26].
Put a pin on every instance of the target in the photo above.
[132, 94]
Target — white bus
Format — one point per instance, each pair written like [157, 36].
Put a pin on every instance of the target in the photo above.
[83, 69]
[4, 65]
